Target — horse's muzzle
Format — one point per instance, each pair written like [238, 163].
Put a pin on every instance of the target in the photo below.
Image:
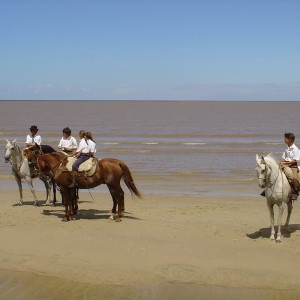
[262, 183]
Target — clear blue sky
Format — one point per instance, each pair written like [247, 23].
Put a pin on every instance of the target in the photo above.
[150, 49]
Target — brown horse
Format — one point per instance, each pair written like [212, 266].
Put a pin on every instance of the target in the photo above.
[108, 171]
[32, 155]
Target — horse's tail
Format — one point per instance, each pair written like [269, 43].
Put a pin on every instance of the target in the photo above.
[129, 180]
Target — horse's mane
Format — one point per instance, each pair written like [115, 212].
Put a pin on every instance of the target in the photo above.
[47, 149]
[270, 159]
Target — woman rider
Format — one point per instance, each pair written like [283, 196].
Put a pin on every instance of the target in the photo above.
[85, 150]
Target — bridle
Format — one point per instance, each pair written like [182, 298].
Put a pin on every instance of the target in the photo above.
[51, 168]
[266, 179]
[8, 158]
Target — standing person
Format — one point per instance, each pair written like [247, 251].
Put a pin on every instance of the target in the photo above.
[289, 163]
[67, 143]
[34, 139]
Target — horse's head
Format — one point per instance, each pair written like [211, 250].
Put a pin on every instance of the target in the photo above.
[261, 171]
[264, 166]
[9, 149]
[48, 162]
[31, 156]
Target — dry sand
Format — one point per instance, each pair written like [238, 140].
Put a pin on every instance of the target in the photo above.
[162, 239]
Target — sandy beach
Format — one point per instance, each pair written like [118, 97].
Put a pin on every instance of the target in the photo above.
[195, 240]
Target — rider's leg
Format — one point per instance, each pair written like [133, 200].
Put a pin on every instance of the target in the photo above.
[292, 177]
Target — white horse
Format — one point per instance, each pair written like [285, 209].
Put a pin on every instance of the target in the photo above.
[277, 190]
[21, 170]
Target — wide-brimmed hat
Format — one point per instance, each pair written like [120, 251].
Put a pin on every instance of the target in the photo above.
[33, 127]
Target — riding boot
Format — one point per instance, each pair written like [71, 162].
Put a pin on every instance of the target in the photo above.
[74, 179]
[263, 193]
[295, 189]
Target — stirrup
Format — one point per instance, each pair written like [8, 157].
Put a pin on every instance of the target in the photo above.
[73, 184]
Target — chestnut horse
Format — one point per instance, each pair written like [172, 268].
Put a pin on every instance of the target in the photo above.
[109, 171]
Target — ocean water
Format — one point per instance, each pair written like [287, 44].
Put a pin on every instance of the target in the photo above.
[171, 147]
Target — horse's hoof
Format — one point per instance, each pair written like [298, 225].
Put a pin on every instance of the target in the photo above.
[278, 241]
[65, 219]
[118, 220]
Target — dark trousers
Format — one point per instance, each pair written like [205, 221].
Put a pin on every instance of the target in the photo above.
[79, 161]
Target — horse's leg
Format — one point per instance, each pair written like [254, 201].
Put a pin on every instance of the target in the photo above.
[281, 210]
[48, 189]
[121, 204]
[54, 191]
[271, 211]
[115, 203]
[65, 195]
[290, 209]
[118, 198]
[74, 202]
[29, 181]
[18, 180]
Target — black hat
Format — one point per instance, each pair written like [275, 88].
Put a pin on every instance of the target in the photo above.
[33, 127]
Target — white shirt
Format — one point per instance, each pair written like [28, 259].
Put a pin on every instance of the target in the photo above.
[69, 142]
[36, 139]
[83, 147]
[92, 146]
[291, 153]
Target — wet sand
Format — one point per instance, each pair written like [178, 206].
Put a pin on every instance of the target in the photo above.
[171, 246]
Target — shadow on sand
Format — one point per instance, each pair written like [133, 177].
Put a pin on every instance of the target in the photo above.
[88, 214]
[266, 232]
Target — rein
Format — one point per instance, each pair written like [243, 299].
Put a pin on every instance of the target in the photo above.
[270, 184]
[52, 168]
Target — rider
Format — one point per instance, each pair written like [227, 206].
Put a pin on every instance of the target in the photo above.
[33, 139]
[84, 151]
[289, 164]
[33, 142]
[68, 143]
[91, 143]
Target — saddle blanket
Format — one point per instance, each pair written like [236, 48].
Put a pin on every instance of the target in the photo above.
[89, 166]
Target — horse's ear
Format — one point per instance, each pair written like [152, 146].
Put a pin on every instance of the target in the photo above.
[262, 159]
[7, 141]
[14, 141]
[257, 159]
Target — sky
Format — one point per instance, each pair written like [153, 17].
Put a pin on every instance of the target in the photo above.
[150, 50]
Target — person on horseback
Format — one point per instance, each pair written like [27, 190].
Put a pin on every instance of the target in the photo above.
[67, 143]
[33, 140]
[91, 143]
[85, 150]
[289, 164]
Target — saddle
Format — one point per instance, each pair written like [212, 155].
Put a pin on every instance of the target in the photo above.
[88, 167]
